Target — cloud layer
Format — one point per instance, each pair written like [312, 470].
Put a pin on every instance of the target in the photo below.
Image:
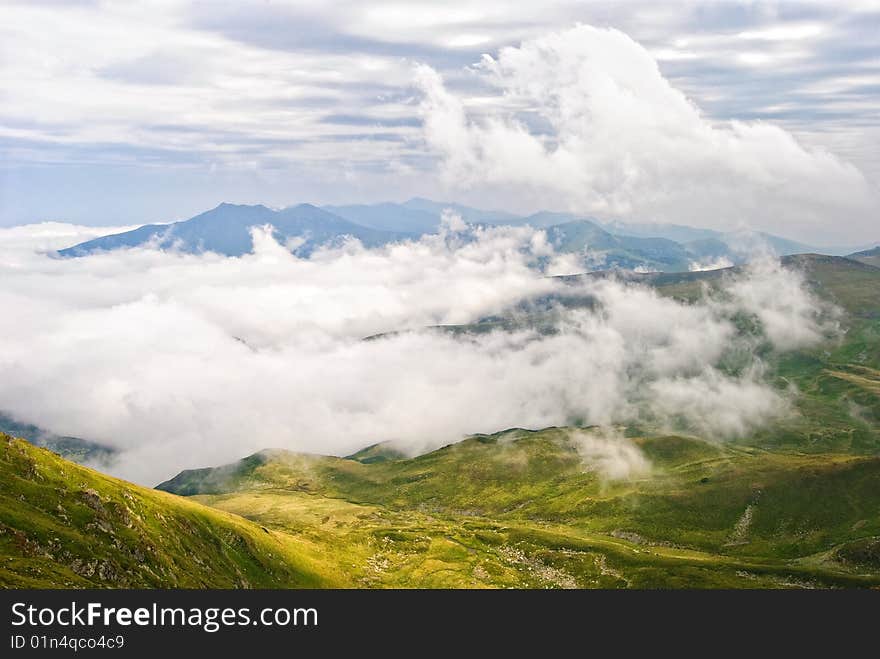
[589, 120]
[182, 361]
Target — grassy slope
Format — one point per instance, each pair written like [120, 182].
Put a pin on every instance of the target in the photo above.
[63, 525]
[497, 510]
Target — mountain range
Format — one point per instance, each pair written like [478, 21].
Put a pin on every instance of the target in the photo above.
[226, 230]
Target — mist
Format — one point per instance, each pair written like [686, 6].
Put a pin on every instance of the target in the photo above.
[182, 361]
[610, 454]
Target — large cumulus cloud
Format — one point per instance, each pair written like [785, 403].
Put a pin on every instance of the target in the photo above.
[584, 117]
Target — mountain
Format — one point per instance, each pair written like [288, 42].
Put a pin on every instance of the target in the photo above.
[467, 213]
[699, 243]
[782, 246]
[851, 285]
[517, 509]
[226, 230]
[66, 526]
[677, 232]
[389, 217]
[521, 508]
[72, 448]
[711, 248]
[634, 246]
[848, 284]
[605, 250]
[868, 256]
[424, 215]
[736, 243]
[377, 453]
[417, 215]
[545, 219]
[649, 246]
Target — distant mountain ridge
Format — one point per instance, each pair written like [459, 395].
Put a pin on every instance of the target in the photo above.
[868, 256]
[71, 448]
[226, 230]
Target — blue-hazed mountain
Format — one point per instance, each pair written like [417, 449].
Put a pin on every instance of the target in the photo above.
[424, 216]
[604, 249]
[645, 246]
[677, 232]
[782, 246]
[389, 216]
[417, 215]
[650, 246]
[226, 229]
[698, 239]
[467, 213]
[545, 219]
[569, 233]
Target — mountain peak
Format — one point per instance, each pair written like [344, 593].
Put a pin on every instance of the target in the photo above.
[229, 205]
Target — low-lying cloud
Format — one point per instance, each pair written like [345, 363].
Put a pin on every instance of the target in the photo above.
[610, 454]
[183, 360]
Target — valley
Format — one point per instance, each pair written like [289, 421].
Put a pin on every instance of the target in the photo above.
[794, 504]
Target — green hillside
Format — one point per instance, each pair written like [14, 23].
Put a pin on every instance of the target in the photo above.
[63, 525]
[504, 509]
[513, 509]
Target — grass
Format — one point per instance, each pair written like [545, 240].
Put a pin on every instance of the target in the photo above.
[445, 520]
[520, 509]
[63, 525]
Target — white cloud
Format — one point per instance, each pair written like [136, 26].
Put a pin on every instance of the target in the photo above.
[184, 361]
[710, 264]
[620, 140]
[19, 243]
[136, 75]
[718, 406]
[611, 454]
[793, 32]
[787, 310]
[293, 101]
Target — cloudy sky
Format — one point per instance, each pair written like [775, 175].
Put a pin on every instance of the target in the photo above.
[718, 114]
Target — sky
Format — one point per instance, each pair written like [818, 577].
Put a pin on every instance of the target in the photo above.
[719, 114]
